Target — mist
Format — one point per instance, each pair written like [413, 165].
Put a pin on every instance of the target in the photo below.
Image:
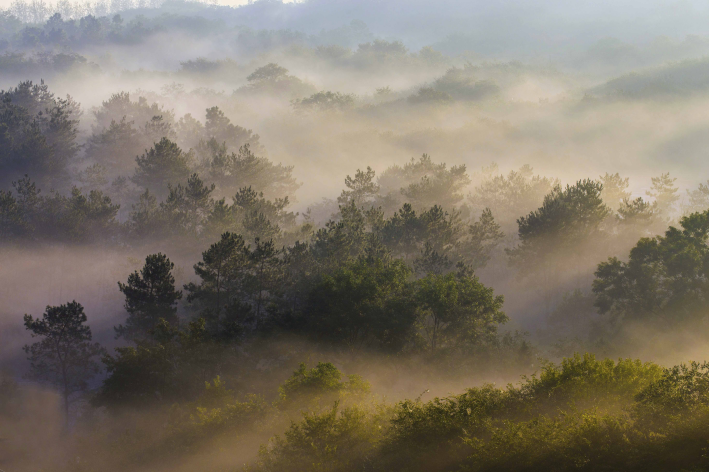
[353, 235]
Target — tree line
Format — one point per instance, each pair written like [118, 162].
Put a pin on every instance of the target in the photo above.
[390, 266]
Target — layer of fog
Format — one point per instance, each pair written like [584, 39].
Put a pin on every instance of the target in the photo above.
[563, 110]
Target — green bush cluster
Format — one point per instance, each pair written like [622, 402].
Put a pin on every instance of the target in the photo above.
[582, 414]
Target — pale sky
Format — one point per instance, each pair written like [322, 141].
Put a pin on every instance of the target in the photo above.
[6, 3]
[243, 2]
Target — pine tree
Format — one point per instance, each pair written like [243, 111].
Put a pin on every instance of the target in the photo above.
[162, 164]
[665, 194]
[222, 272]
[266, 270]
[150, 297]
[362, 188]
[65, 355]
[615, 190]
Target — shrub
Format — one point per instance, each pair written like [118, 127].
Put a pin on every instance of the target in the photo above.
[322, 383]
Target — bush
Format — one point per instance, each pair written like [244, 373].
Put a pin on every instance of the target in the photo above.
[322, 383]
[573, 416]
[331, 441]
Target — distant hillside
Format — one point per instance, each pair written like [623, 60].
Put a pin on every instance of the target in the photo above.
[681, 78]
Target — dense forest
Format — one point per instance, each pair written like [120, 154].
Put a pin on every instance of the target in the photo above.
[354, 236]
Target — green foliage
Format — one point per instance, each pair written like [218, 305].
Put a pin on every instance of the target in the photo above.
[271, 72]
[570, 442]
[637, 213]
[120, 106]
[336, 440]
[189, 212]
[37, 134]
[407, 232]
[568, 220]
[665, 429]
[435, 240]
[124, 129]
[458, 311]
[161, 165]
[265, 275]
[187, 207]
[681, 391]
[172, 365]
[362, 188]
[64, 356]
[84, 218]
[363, 303]
[78, 218]
[220, 295]
[482, 238]
[219, 128]
[582, 378]
[234, 171]
[424, 183]
[570, 417]
[11, 218]
[320, 385]
[230, 417]
[150, 297]
[664, 280]
[136, 375]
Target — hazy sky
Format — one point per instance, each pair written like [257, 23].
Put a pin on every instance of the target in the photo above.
[241, 2]
[7, 3]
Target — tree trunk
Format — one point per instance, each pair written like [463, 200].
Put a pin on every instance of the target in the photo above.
[66, 397]
[66, 407]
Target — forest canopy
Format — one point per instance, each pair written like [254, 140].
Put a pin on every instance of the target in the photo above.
[353, 235]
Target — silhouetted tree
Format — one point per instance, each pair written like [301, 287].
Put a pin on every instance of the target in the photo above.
[698, 199]
[457, 310]
[423, 183]
[162, 164]
[664, 280]
[234, 171]
[615, 190]
[171, 367]
[365, 301]
[219, 128]
[65, 355]
[187, 207]
[665, 194]
[481, 238]
[510, 196]
[37, 134]
[324, 101]
[362, 188]
[266, 268]
[567, 220]
[150, 297]
[222, 272]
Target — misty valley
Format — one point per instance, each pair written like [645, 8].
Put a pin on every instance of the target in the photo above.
[354, 235]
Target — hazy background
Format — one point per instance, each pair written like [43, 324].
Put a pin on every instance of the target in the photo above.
[556, 91]
[582, 88]
[573, 89]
